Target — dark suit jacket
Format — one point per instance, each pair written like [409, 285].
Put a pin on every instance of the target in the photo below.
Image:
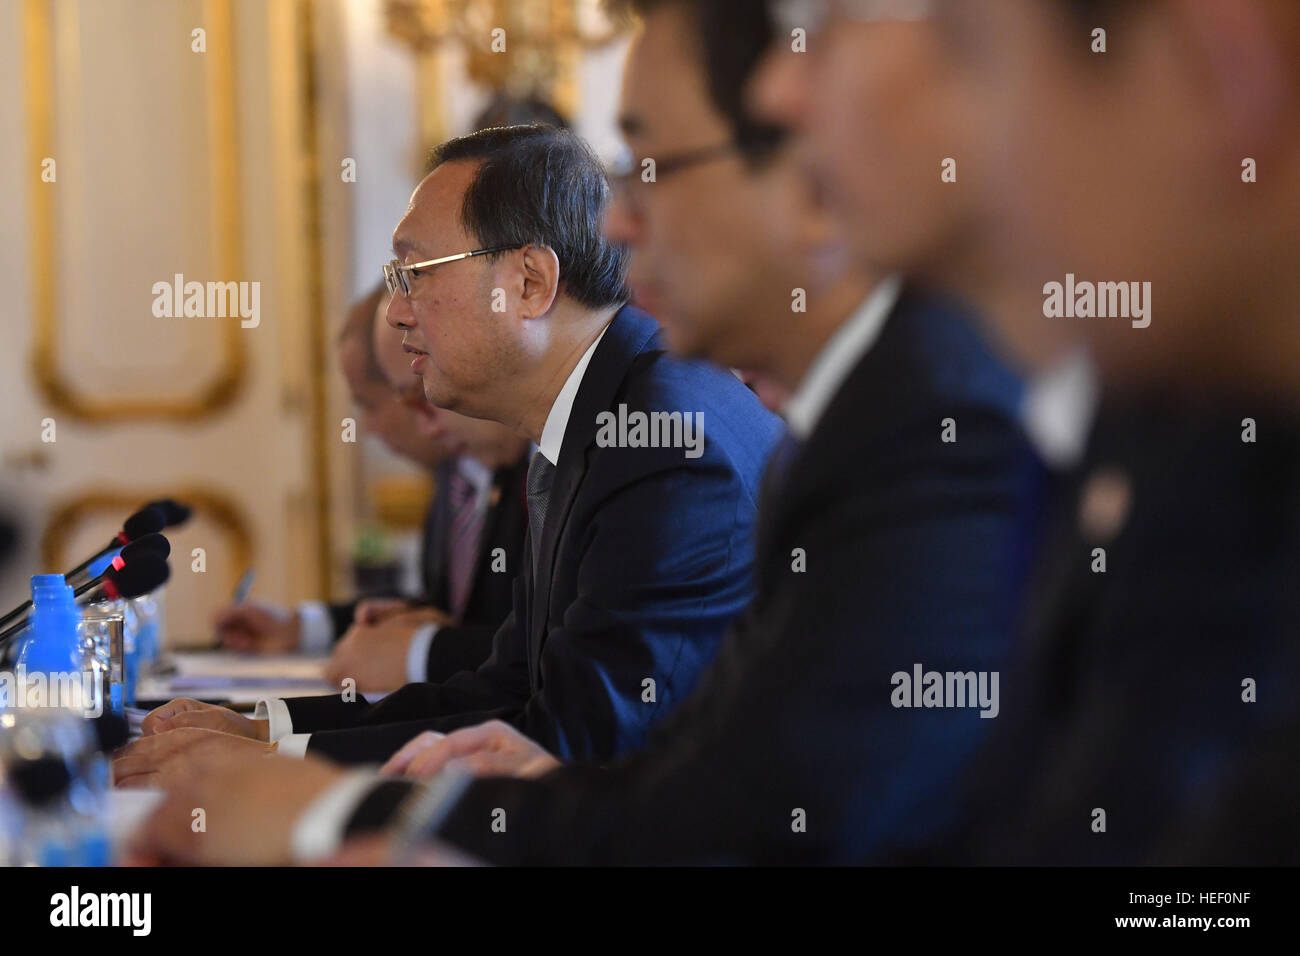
[790, 750]
[646, 556]
[1129, 696]
[468, 644]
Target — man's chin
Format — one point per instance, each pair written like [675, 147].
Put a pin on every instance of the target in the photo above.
[438, 394]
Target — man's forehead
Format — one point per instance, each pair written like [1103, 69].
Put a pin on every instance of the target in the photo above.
[434, 210]
[665, 91]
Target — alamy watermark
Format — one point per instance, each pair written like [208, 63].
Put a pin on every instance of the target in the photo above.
[637, 429]
[134, 911]
[212, 300]
[81, 691]
[1101, 300]
[949, 689]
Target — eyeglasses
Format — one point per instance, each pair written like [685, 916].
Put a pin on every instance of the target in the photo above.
[624, 170]
[397, 277]
[812, 15]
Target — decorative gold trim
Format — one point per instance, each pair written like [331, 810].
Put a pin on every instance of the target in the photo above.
[317, 334]
[214, 505]
[401, 501]
[62, 395]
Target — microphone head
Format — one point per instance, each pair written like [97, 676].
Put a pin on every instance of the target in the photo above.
[146, 573]
[154, 544]
[173, 511]
[148, 520]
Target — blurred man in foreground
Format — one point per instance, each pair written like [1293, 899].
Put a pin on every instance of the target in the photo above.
[1156, 723]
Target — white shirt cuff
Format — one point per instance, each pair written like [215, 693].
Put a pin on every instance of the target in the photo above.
[417, 654]
[319, 830]
[276, 711]
[293, 745]
[315, 628]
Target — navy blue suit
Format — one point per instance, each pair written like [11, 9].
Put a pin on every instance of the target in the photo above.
[790, 750]
[646, 556]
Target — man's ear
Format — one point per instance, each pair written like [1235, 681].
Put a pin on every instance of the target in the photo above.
[541, 281]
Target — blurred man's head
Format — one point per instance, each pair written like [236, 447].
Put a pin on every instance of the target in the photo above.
[874, 108]
[492, 444]
[1127, 165]
[382, 412]
[492, 331]
[726, 229]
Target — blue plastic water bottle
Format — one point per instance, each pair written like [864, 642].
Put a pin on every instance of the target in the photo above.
[51, 646]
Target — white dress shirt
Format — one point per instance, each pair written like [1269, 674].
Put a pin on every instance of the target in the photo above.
[1058, 410]
[838, 357]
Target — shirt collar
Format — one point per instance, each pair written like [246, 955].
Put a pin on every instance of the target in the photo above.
[1058, 410]
[476, 473]
[837, 358]
[558, 419]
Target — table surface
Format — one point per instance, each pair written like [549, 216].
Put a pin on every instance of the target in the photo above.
[239, 678]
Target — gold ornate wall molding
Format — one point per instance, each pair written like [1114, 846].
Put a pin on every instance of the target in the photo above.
[216, 507]
[544, 44]
[318, 334]
[41, 82]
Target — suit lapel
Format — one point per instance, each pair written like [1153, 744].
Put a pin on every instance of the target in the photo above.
[491, 518]
[436, 530]
[629, 333]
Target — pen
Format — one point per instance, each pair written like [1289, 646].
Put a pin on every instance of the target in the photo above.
[244, 586]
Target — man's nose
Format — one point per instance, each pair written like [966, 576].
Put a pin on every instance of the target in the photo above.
[398, 314]
[623, 224]
[778, 90]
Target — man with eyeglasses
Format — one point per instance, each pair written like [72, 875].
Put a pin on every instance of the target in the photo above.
[640, 539]
[880, 544]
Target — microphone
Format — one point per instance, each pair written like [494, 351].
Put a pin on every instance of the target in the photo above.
[174, 512]
[120, 581]
[125, 580]
[148, 520]
[152, 543]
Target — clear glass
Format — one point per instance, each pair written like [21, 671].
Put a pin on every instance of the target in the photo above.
[102, 634]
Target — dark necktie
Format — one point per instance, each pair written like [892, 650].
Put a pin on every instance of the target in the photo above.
[540, 475]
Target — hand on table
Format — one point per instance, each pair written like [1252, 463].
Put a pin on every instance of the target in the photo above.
[249, 810]
[377, 850]
[374, 655]
[263, 628]
[186, 712]
[374, 610]
[165, 760]
[492, 749]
